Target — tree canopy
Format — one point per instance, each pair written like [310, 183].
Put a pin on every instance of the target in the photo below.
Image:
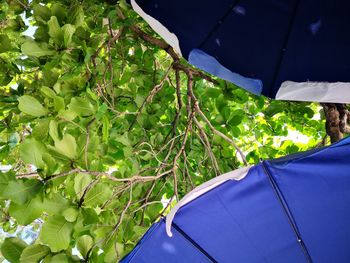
[103, 127]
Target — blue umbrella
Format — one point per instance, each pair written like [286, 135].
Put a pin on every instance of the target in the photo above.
[289, 50]
[294, 209]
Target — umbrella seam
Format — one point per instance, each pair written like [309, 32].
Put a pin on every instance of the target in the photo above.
[287, 211]
[284, 46]
[195, 244]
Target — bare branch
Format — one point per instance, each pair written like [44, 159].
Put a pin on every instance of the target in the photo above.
[187, 131]
[88, 126]
[135, 178]
[215, 131]
[150, 96]
[167, 48]
[207, 146]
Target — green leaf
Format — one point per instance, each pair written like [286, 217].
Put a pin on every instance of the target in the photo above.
[274, 108]
[34, 253]
[42, 11]
[213, 92]
[124, 139]
[78, 16]
[68, 31]
[105, 129]
[20, 192]
[12, 249]
[55, 30]
[31, 152]
[67, 146]
[50, 93]
[56, 233]
[81, 181]
[40, 131]
[31, 48]
[4, 180]
[84, 244]
[69, 115]
[28, 212]
[101, 112]
[59, 258]
[97, 195]
[70, 214]
[58, 103]
[59, 11]
[55, 204]
[81, 106]
[31, 106]
[5, 43]
[236, 120]
[53, 130]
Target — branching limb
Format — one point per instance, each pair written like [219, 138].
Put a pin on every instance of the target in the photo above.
[207, 146]
[150, 96]
[198, 110]
[166, 47]
[190, 113]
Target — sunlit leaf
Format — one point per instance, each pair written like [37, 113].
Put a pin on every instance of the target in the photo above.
[34, 253]
[33, 49]
[56, 233]
[20, 192]
[31, 106]
[12, 249]
[84, 243]
[31, 152]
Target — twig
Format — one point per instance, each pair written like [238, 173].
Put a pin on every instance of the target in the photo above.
[187, 131]
[86, 190]
[150, 96]
[145, 205]
[167, 48]
[215, 131]
[207, 146]
[88, 126]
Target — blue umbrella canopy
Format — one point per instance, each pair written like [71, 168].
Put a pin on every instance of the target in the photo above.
[294, 209]
[289, 50]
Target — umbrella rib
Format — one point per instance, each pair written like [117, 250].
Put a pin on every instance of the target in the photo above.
[219, 23]
[284, 46]
[287, 211]
[194, 243]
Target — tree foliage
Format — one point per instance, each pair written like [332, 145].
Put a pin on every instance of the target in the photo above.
[103, 127]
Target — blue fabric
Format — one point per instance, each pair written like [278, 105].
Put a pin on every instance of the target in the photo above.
[279, 207]
[208, 63]
[157, 247]
[271, 40]
[317, 190]
[241, 221]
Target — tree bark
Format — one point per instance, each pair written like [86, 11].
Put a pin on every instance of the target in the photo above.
[337, 120]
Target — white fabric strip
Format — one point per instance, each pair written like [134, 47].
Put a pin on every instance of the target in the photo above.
[202, 189]
[169, 37]
[336, 92]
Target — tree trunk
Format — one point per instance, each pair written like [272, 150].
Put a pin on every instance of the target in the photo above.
[337, 119]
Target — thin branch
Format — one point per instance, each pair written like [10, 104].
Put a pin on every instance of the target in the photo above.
[215, 131]
[150, 96]
[86, 190]
[145, 205]
[167, 48]
[187, 131]
[207, 146]
[88, 126]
